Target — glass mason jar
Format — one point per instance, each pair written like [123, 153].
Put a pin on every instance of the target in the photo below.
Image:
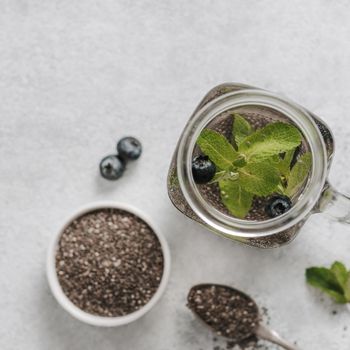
[317, 196]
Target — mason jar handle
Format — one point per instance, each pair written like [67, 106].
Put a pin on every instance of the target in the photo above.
[335, 204]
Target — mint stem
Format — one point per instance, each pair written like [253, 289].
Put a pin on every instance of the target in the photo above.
[224, 175]
[280, 189]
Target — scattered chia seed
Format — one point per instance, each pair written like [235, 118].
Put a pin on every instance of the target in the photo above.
[228, 312]
[109, 262]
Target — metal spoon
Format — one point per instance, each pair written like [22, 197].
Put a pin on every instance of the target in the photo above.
[269, 334]
[260, 330]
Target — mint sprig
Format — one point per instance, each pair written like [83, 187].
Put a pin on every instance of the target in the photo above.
[256, 163]
[237, 200]
[217, 148]
[284, 163]
[273, 139]
[241, 129]
[260, 179]
[298, 174]
[334, 281]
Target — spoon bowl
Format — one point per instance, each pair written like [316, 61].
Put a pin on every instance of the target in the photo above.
[242, 325]
[222, 301]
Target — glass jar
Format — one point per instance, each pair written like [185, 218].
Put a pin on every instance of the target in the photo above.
[317, 195]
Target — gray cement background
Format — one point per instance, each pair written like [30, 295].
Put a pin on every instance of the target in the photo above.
[77, 75]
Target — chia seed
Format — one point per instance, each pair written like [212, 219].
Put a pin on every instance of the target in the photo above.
[228, 312]
[109, 262]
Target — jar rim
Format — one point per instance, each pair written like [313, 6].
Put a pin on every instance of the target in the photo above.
[229, 225]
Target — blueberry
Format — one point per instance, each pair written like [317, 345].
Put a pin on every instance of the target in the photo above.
[112, 167]
[278, 205]
[129, 148]
[203, 169]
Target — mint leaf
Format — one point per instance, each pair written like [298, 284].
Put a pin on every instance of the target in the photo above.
[240, 161]
[252, 164]
[325, 280]
[299, 174]
[340, 272]
[218, 176]
[272, 139]
[224, 175]
[283, 164]
[235, 198]
[261, 179]
[334, 281]
[347, 288]
[217, 148]
[241, 129]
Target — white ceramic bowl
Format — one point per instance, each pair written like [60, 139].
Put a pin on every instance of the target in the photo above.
[101, 320]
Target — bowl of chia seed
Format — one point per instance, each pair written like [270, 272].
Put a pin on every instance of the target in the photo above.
[108, 265]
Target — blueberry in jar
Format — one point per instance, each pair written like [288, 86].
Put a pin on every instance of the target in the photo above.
[278, 205]
[203, 169]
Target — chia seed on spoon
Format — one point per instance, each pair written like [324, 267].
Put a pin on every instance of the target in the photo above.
[227, 311]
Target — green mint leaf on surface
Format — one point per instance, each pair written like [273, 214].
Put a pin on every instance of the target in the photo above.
[235, 198]
[241, 129]
[340, 272]
[299, 174]
[270, 140]
[347, 287]
[260, 179]
[325, 280]
[217, 148]
[334, 281]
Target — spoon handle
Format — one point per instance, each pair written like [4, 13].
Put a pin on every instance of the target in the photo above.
[272, 336]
